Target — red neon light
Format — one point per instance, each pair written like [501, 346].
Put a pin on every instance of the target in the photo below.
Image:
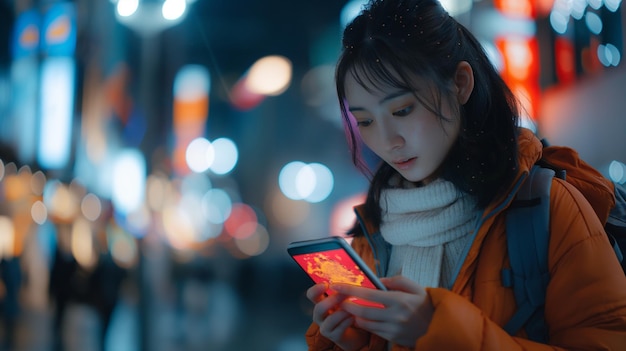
[564, 60]
[517, 8]
[242, 221]
[521, 70]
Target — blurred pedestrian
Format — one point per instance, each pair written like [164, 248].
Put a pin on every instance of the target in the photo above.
[62, 286]
[11, 274]
[10, 266]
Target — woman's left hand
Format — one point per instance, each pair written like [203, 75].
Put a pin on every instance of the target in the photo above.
[405, 317]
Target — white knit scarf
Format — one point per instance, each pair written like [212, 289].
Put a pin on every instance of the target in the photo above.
[429, 227]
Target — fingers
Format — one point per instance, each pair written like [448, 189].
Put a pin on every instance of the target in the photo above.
[402, 291]
[336, 322]
[401, 283]
[362, 302]
[368, 294]
[326, 307]
[404, 316]
[316, 292]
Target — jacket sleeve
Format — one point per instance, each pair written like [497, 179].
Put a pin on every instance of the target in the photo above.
[317, 342]
[585, 299]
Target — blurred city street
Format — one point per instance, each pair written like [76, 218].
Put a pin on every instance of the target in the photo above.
[206, 315]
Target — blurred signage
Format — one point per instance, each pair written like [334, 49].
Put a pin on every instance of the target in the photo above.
[524, 8]
[56, 111]
[564, 60]
[57, 85]
[521, 69]
[59, 30]
[23, 116]
[191, 108]
[22, 128]
[26, 35]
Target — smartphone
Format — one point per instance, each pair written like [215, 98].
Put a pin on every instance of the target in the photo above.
[333, 260]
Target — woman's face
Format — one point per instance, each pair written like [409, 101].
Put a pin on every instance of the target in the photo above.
[396, 126]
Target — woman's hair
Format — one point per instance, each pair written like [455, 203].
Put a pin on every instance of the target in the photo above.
[392, 43]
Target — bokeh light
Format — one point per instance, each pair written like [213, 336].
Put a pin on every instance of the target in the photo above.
[226, 156]
[270, 75]
[287, 179]
[178, 227]
[173, 9]
[126, 8]
[192, 83]
[350, 10]
[129, 173]
[7, 239]
[594, 22]
[155, 191]
[91, 207]
[200, 155]
[343, 216]
[609, 55]
[457, 7]
[61, 203]
[242, 98]
[617, 172]
[254, 244]
[216, 206]
[242, 221]
[311, 182]
[612, 5]
[82, 244]
[39, 212]
[37, 183]
[122, 246]
[324, 182]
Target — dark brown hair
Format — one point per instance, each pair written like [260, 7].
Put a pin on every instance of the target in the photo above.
[390, 43]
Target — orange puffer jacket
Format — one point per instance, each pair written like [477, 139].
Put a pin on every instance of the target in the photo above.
[585, 300]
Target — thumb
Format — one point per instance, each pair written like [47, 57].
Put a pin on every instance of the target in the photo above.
[400, 283]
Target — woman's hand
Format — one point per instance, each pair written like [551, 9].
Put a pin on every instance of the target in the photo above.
[405, 318]
[335, 324]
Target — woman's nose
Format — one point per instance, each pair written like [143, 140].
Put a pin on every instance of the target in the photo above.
[393, 137]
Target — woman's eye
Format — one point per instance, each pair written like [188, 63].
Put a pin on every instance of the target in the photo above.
[403, 112]
[364, 123]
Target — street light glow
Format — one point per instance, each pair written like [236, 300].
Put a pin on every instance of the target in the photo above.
[173, 9]
[126, 8]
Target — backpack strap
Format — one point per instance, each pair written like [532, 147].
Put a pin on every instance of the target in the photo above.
[617, 216]
[527, 230]
[616, 223]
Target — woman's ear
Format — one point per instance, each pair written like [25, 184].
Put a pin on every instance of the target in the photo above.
[464, 81]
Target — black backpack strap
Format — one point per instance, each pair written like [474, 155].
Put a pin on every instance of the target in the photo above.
[528, 236]
[616, 223]
[617, 216]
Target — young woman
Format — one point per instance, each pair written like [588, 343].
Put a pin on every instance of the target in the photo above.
[416, 88]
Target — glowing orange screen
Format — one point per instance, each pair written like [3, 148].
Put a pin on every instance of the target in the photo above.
[334, 266]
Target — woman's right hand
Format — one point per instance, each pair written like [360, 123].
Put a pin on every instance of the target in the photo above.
[335, 324]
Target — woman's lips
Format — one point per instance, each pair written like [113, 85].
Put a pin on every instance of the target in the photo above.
[405, 164]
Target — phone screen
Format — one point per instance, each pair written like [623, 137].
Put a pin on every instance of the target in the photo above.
[335, 266]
